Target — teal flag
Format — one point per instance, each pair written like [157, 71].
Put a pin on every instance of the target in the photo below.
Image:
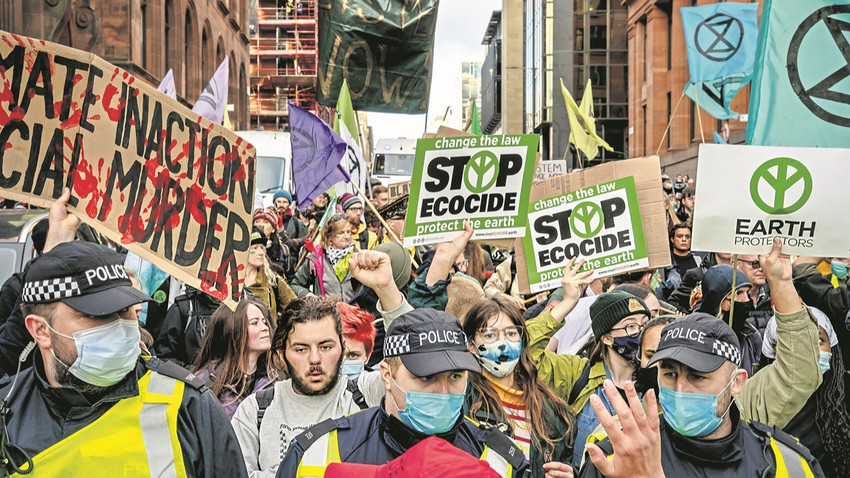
[720, 39]
[801, 91]
[715, 96]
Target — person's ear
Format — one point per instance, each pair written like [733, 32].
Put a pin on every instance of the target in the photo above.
[37, 327]
[738, 382]
[607, 340]
[386, 376]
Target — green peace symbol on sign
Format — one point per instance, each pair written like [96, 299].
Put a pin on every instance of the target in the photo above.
[477, 175]
[583, 218]
[789, 172]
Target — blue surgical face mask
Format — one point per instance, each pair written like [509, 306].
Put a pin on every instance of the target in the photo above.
[825, 357]
[430, 413]
[839, 269]
[353, 368]
[105, 354]
[692, 414]
[500, 357]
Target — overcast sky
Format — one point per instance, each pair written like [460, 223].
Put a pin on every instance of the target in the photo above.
[460, 28]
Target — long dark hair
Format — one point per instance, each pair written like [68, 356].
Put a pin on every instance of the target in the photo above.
[477, 268]
[831, 415]
[535, 393]
[225, 347]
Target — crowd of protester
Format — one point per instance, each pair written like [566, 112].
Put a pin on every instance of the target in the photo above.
[348, 350]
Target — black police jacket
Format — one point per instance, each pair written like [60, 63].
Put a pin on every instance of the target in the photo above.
[41, 415]
[745, 452]
[372, 437]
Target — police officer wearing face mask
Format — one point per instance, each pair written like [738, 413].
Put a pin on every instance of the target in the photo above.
[701, 433]
[90, 406]
[425, 377]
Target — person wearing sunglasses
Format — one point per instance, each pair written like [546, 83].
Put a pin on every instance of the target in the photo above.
[325, 272]
[760, 291]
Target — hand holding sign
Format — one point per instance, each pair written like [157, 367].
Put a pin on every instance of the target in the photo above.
[573, 283]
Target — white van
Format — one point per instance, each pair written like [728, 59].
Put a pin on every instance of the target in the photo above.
[393, 160]
[274, 162]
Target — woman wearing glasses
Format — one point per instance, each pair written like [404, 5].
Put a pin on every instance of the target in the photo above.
[617, 318]
[508, 394]
[325, 272]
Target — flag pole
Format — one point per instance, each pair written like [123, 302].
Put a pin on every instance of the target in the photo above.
[384, 223]
[666, 130]
[699, 116]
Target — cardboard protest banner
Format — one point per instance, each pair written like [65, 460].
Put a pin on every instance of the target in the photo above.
[480, 179]
[748, 195]
[547, 169]
[398, 189]
[143, 170]
[612, 215]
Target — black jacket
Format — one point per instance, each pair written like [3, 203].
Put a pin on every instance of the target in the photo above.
[745, 453]
[372, 437]
[42, 415]
[184, 327]
[816, 291]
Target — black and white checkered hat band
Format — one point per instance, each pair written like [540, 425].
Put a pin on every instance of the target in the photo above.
[396, 345]
[727, 351]
[50, 290]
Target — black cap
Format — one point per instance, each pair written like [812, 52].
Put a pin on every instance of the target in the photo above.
[429, 341]
[87, 277]
[258, 237]
[700, 341]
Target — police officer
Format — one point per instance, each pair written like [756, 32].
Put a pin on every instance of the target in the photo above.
[90, 406]
[702, 433]
[425, 375]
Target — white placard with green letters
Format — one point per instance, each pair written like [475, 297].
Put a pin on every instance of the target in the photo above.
[747, 195]
[481, 179]
[601, 224]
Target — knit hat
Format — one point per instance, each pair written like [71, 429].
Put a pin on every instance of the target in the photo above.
[612, 307]
[267, 216]
[257, 237]
[282, 193]
[347, 200]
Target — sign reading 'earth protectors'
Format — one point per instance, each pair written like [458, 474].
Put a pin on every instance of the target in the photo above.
[480, 179]
[789, 193]
[600, 224]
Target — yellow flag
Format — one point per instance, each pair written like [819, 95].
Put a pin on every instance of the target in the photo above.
[587, 121]
[578, 136]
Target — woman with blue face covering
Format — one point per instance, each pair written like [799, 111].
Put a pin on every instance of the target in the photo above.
[823, 425]
[358, 332]
[508, 394]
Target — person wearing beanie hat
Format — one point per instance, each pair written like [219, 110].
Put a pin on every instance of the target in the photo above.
[282, 201]
[353, 207]
[267, 223]
[261, 280]
[617, 318]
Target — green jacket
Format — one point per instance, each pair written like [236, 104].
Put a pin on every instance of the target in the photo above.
[563, 450]
[777, 392]
[560, 372]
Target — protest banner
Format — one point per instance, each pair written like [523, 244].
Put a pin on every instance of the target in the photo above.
[612, 215]
[750, 194]
[383, 49]
[547, 169]
[480, 179]
[146, 172]
[398, 189]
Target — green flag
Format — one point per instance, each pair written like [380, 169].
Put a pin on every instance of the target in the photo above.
[475, 126]
[384, 49]
[345, 110]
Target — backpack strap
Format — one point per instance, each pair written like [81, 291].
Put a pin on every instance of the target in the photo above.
[791, 456]
[310, 435]
[505, 447]
[356, 394]
[264, 399]
[172, 370]
[580, 384]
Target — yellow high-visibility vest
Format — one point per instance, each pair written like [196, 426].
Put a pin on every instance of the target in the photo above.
[137, 437]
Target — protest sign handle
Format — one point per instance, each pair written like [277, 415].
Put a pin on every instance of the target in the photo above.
[734, 285]
[537, 297]
[389, 231]
[699, 116]
[667, 130]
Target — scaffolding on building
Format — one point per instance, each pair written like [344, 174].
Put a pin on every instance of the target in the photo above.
[284, 55]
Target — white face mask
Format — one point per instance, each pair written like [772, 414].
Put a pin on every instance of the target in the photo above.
[105, 354]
